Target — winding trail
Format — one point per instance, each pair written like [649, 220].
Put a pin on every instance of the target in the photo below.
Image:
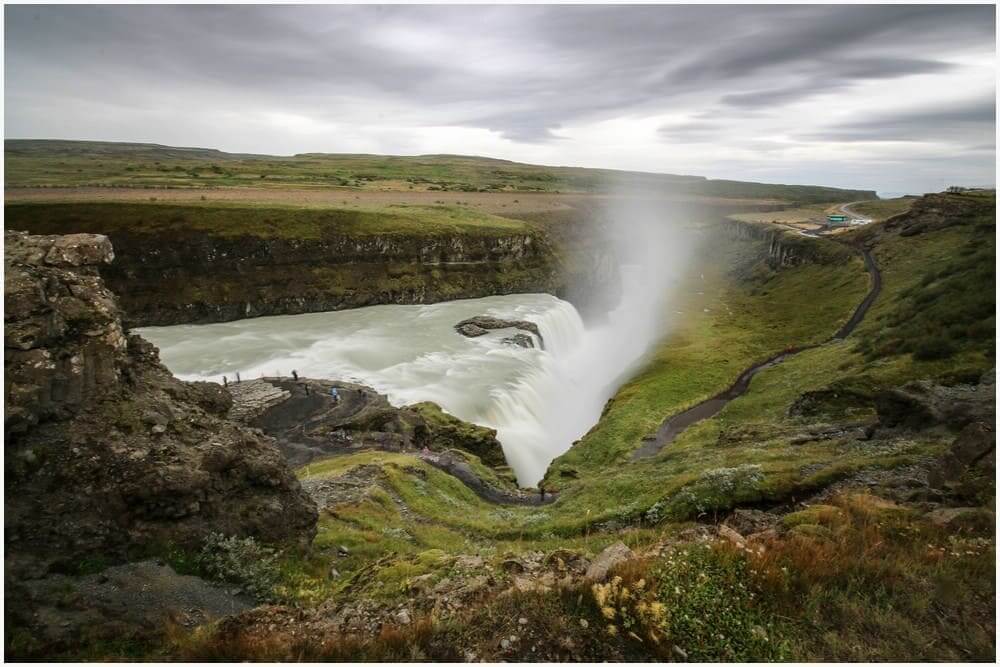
[675, 425]
[465, 474]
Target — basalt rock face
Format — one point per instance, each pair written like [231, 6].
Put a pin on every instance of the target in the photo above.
[196, 277]
[786, 248]
[107, 454]
[63, 341]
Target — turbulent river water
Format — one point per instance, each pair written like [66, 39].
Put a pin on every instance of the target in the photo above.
[539, 401]
[412, 353]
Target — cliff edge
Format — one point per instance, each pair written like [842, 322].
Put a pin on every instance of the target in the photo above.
[108, 455]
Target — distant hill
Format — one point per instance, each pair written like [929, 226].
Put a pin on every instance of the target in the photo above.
[60, 163]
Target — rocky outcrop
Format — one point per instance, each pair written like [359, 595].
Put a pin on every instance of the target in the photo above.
[483, 324]
[63, 341]
[923, 404]
[134, 600]
[441, 431]
[107, 454]
[309, 422]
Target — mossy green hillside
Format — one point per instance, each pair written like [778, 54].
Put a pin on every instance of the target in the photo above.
[939, 286]
[882, 209]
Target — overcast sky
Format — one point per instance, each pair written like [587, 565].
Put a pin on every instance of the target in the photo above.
[894, 98]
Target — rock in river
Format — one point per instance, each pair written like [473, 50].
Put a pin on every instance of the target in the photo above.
[482, 324]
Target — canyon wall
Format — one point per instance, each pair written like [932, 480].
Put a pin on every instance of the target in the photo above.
[197, 278]
[785, 247]
[189, 264]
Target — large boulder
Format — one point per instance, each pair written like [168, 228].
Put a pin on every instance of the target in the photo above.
[615, 554]
[970, 458]
[923, 404]
[107, 454]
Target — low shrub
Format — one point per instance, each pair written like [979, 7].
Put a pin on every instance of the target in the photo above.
[933, 348]
[716, 490]
[241, 561]
[697, 604]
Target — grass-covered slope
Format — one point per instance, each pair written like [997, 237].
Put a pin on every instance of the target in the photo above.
[882, 209]
[847, 576]
[33, 163]
[865, 567]
[940, 280]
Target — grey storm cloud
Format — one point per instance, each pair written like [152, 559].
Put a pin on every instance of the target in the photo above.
[973, 121]
[836, 75]
[570, 63]
[403, 78]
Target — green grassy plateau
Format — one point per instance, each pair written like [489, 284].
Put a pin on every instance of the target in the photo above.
[228, 220]
[53, 163]
[881, 209]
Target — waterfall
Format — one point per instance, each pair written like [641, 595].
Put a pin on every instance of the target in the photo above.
[539, 400]
[541, 413]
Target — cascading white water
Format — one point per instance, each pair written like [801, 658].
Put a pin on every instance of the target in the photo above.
[409, 353]
[539, 401]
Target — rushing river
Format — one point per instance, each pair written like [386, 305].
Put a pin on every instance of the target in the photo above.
[539, 401]
[411, 354]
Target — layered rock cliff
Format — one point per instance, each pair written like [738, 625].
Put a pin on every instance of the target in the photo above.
[191, 264]
[785, 247]
[108, 455]
[195, 279]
